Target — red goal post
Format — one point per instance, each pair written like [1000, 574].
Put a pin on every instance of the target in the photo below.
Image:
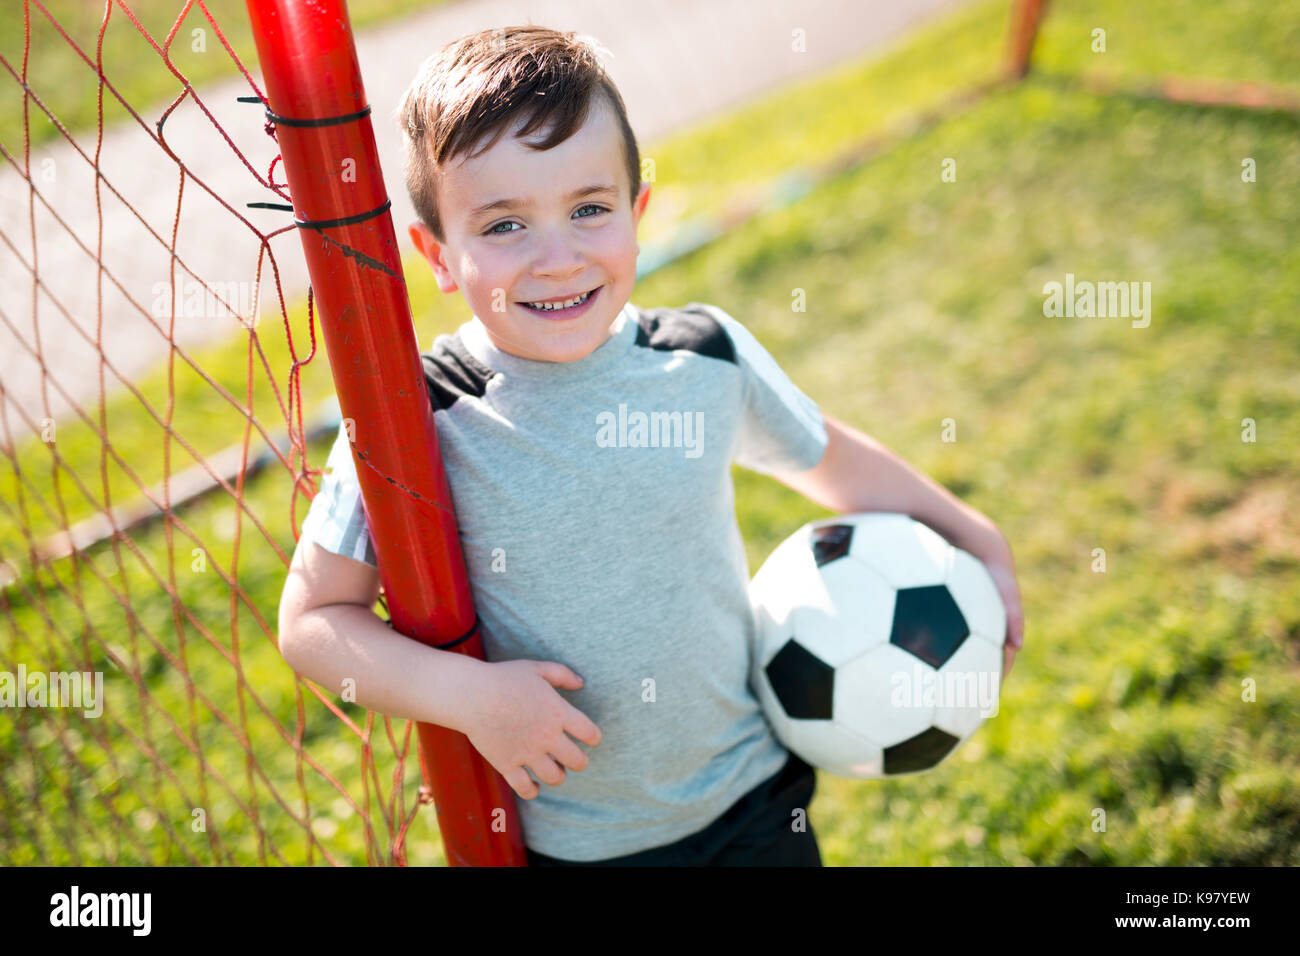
[317, 104]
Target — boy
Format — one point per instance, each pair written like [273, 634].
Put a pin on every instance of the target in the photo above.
[588, 445]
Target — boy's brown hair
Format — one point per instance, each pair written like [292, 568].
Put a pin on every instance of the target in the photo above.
[477, 86]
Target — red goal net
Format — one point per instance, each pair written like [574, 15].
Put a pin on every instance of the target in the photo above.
[164, 410]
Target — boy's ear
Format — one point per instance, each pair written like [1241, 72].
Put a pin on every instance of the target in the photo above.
[638, 207]
[428, 246]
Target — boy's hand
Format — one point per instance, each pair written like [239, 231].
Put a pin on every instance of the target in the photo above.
[997, 558]
[517, 720]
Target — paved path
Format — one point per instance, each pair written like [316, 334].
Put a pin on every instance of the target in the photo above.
[676, 62]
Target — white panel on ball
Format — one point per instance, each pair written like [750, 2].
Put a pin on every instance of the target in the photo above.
[966, 682]
[835, 749]
[971, 586]
[856, 616]
[903, 551]
[789, 578]
[865, 689]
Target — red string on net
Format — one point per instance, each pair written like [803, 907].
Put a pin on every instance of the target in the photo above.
[391, 811]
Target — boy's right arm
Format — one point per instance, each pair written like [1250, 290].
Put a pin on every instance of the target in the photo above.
[509, 710]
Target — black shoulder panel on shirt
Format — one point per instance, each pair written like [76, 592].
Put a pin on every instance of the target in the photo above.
[690, 327]
[451, 372]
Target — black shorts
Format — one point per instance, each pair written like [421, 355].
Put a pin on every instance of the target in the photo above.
[758, 830]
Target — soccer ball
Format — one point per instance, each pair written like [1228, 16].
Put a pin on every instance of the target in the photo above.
[878, 645]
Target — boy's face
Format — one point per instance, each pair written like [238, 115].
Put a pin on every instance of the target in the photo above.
[548, 244]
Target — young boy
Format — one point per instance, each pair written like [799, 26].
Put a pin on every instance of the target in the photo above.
[588, 444]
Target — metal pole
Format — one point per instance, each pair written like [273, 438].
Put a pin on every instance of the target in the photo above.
[1026, 15]
[323, 127]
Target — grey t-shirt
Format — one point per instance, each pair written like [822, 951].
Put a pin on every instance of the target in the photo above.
[596, 512]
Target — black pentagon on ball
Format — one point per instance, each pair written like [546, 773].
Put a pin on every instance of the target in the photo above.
[928, 623]
[920, 752]
[830, 542]
[802, 682]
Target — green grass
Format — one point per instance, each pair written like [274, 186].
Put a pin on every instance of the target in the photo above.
[1074, 435]
[67, 84]
[924, 303]
[1231, 40]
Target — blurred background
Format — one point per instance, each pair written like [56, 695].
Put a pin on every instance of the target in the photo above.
[922, 176]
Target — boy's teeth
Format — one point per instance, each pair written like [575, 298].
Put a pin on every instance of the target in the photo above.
[552, 306]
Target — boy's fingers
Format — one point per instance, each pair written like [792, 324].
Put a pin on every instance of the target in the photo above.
[580, 726]
[547, 770]
[560, 676]
[1018, 629]
[522, 784]
[570, 755]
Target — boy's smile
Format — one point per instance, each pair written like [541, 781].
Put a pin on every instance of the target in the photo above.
[542, 244]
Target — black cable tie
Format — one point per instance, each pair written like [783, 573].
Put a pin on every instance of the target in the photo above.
[325, 121]
[463, 638]
[345, 220]
[278, 120]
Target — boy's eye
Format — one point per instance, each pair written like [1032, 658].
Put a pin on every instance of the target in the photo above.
[496, 230]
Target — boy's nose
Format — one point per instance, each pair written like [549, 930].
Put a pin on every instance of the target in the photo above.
[557, 256]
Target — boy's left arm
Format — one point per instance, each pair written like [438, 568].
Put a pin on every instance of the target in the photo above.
[857, 473]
